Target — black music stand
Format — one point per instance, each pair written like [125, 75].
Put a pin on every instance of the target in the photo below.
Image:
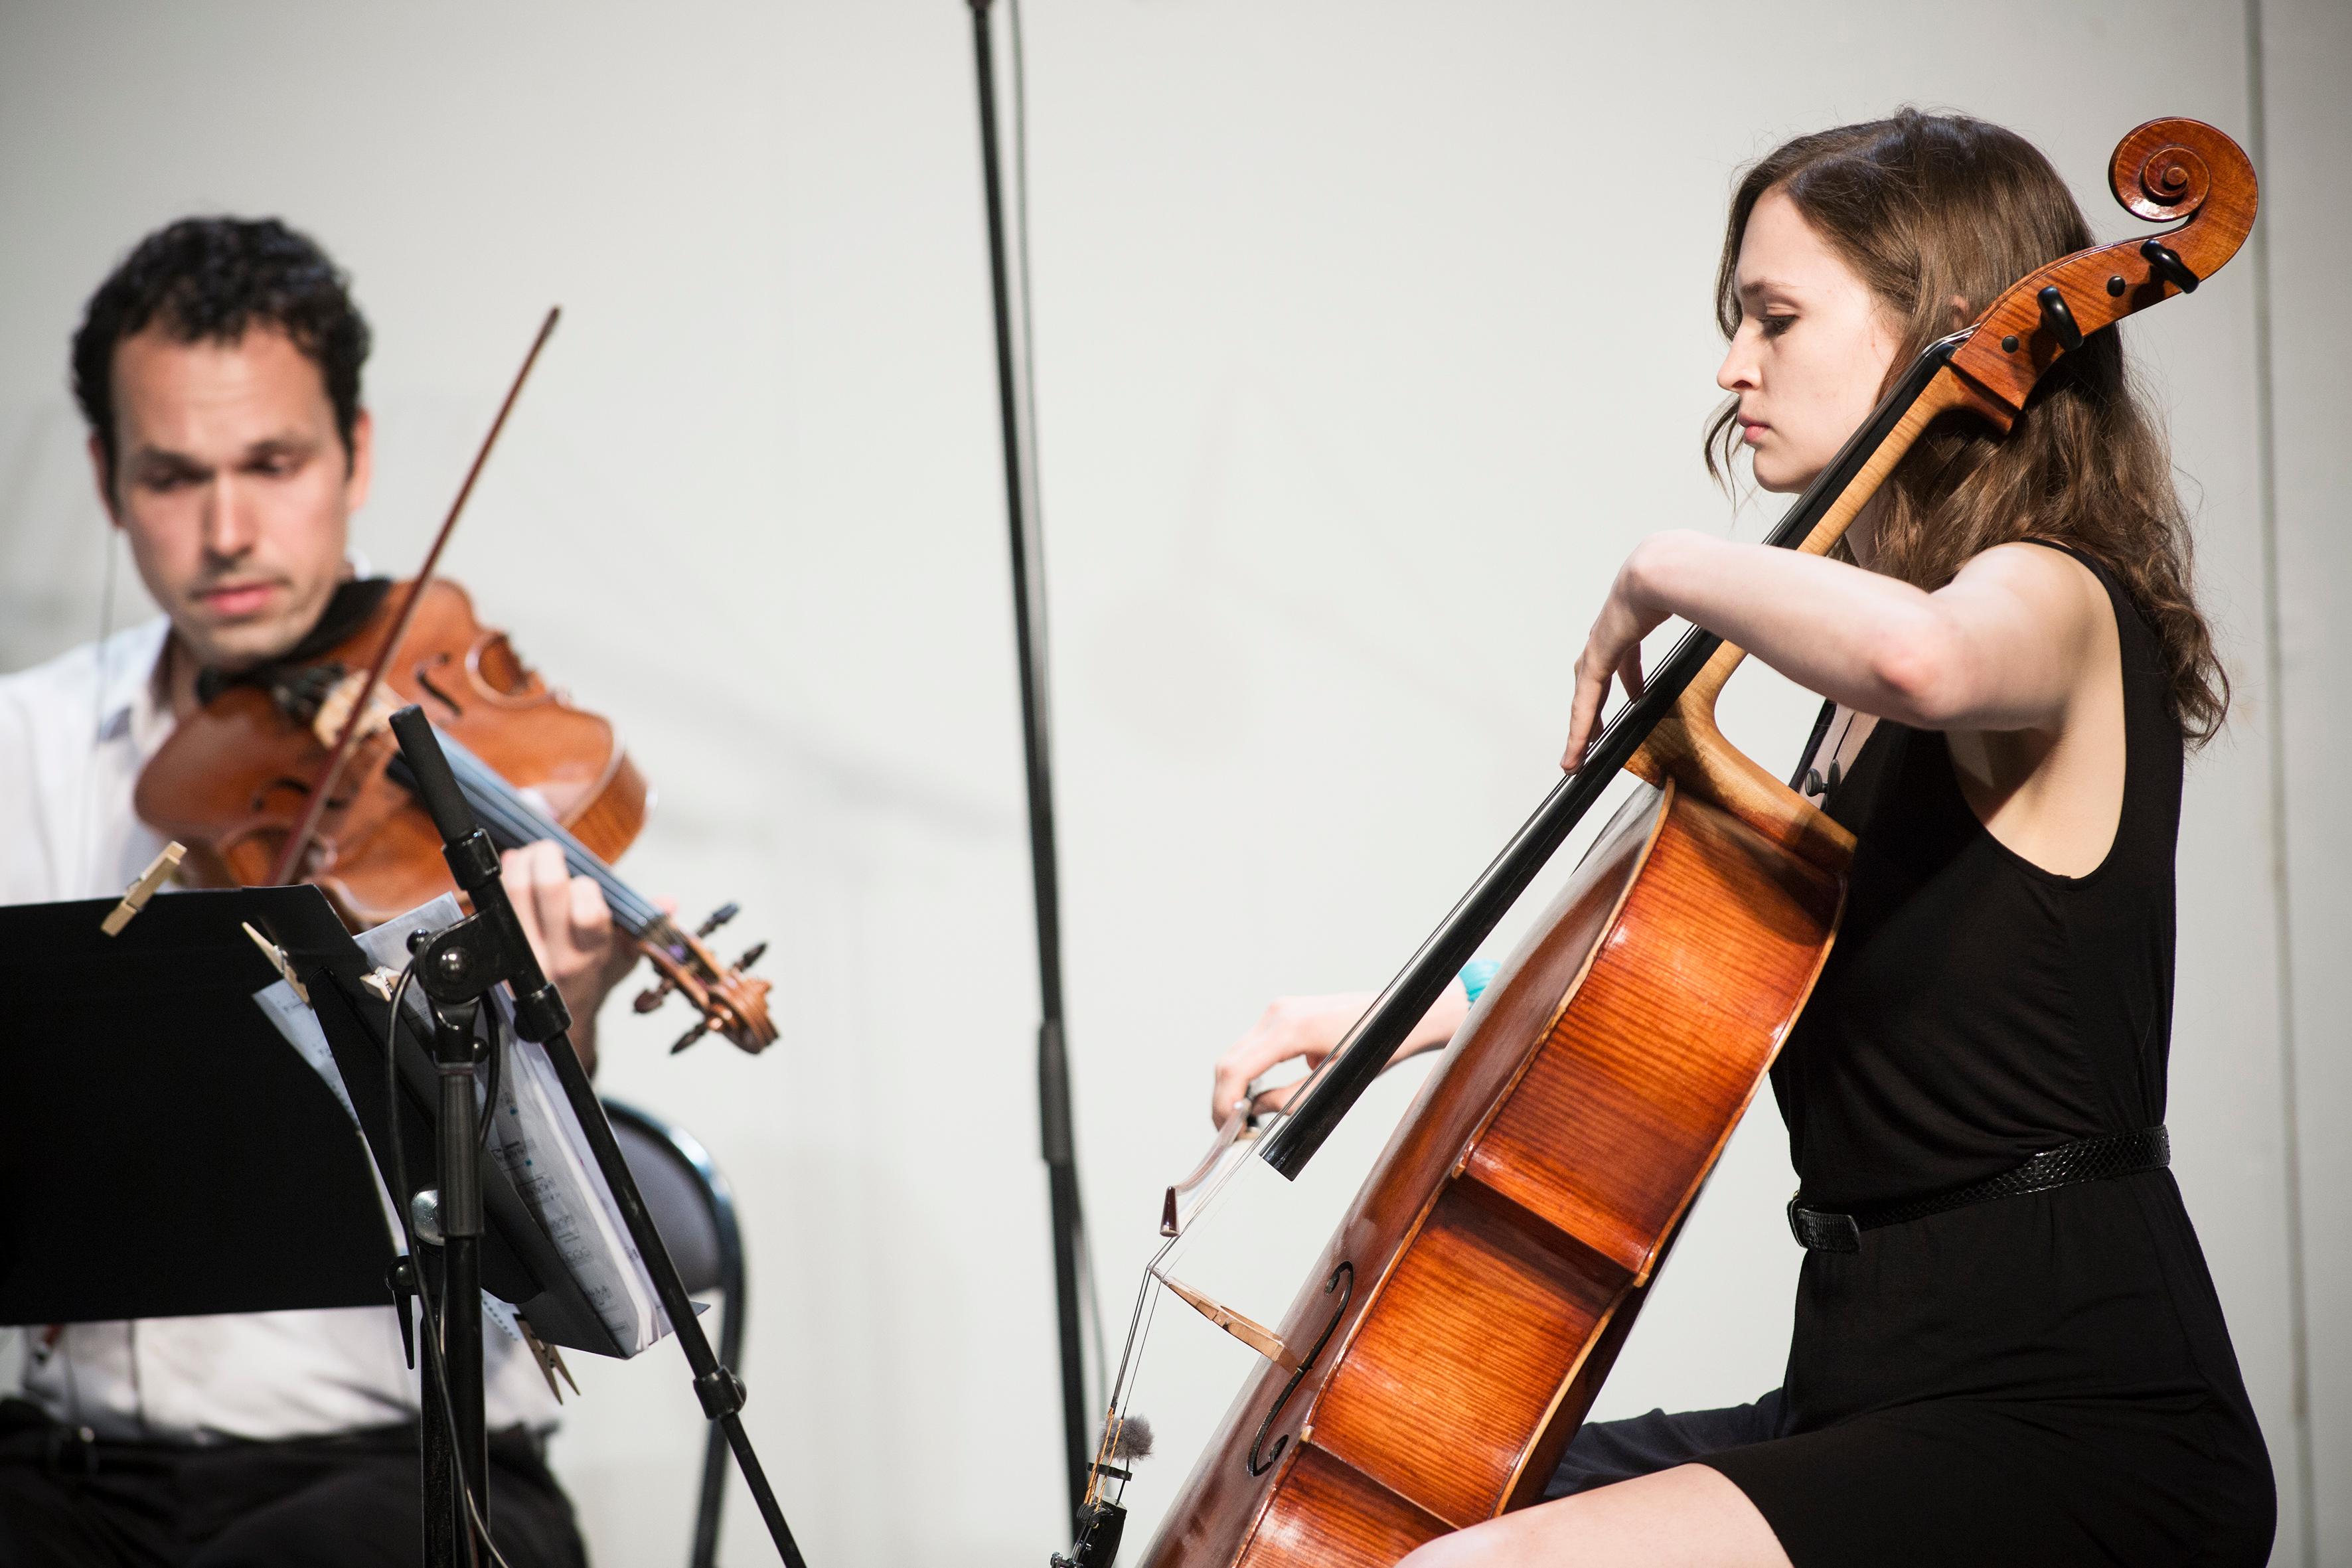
[166, 1150]
[163, 1151]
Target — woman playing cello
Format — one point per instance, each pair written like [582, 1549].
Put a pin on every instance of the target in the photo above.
[1985, 1367]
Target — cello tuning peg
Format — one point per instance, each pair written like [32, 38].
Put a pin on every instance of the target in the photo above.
[751, 955]
[2059, 319]
[692, 1036]
[718, 917]
[653, 996]
[2165, 263]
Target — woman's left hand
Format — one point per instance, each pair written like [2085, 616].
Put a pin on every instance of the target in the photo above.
[1614, 646]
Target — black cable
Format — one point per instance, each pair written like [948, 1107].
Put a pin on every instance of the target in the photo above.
[492, 1081]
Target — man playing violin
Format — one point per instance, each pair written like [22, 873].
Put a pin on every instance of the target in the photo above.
[218, 369]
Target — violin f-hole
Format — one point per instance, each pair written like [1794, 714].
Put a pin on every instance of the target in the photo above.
[1258, 1467]
[424, 673]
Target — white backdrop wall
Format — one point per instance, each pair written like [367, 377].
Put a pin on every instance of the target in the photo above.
[1370, 338]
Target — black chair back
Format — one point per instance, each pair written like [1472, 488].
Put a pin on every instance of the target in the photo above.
[694, 1209]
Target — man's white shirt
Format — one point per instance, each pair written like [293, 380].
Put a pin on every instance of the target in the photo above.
[74, 734]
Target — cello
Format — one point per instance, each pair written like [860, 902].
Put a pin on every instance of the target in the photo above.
[1461, 1320]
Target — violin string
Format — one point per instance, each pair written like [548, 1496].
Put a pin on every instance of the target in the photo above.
[509, 815]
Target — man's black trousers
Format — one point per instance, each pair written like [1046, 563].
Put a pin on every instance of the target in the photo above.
[348, 1501]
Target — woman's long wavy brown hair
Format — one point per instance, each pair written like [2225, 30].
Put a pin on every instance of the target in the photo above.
[1927, 208]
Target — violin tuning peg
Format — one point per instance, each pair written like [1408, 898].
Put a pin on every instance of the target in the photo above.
[692, 1036]
[751, 955]
[653, 996]
[718, 917]
[1168, 1214]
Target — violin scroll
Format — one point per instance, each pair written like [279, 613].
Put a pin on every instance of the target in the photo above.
[729, 1001]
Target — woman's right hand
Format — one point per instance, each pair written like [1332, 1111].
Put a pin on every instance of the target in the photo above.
[1306, 1029]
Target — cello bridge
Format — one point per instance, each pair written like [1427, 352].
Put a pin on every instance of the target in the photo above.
[1250, 1331]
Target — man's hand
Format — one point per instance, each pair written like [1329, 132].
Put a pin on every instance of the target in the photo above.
[571, 930]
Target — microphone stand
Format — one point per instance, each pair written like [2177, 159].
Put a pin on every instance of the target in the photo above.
[456, 1455]
[1029, 630]
[454, 970]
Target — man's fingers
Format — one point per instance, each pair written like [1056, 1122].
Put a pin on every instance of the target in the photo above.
[514, 870]
[551, 886]
[592, 917]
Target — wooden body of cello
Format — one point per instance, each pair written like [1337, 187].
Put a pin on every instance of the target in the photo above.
[1499, 1250]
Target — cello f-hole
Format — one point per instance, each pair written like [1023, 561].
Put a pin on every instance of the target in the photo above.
[1257, 1466]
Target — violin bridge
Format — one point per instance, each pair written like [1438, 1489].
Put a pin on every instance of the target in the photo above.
[335, 705]
[1255, 1335]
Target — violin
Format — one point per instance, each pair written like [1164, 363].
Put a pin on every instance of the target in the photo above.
[289, 773]
[232, 783]
[1459, 1322]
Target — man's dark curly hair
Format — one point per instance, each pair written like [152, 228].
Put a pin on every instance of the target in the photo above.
[209, 278]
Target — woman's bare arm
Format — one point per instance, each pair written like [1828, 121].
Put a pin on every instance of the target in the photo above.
[2000, 646]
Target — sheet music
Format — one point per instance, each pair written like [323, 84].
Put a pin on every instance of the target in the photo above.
[300, 1027]
[533, 1135]
[539, 1141]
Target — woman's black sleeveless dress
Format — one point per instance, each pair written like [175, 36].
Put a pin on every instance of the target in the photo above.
[2043, 1378]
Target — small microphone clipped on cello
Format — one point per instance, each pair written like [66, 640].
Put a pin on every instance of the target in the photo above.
[1101, 1523]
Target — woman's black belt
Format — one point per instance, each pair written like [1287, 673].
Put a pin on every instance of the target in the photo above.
[2091, 1160]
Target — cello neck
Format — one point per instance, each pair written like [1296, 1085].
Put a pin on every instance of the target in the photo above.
[1814, 521]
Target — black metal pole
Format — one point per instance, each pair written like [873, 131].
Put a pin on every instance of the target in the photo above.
[488, 946]
[1029, 632]
[446, 1532]
[460, 1205]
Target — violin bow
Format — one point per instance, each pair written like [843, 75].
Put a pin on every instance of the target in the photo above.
[331, 772]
